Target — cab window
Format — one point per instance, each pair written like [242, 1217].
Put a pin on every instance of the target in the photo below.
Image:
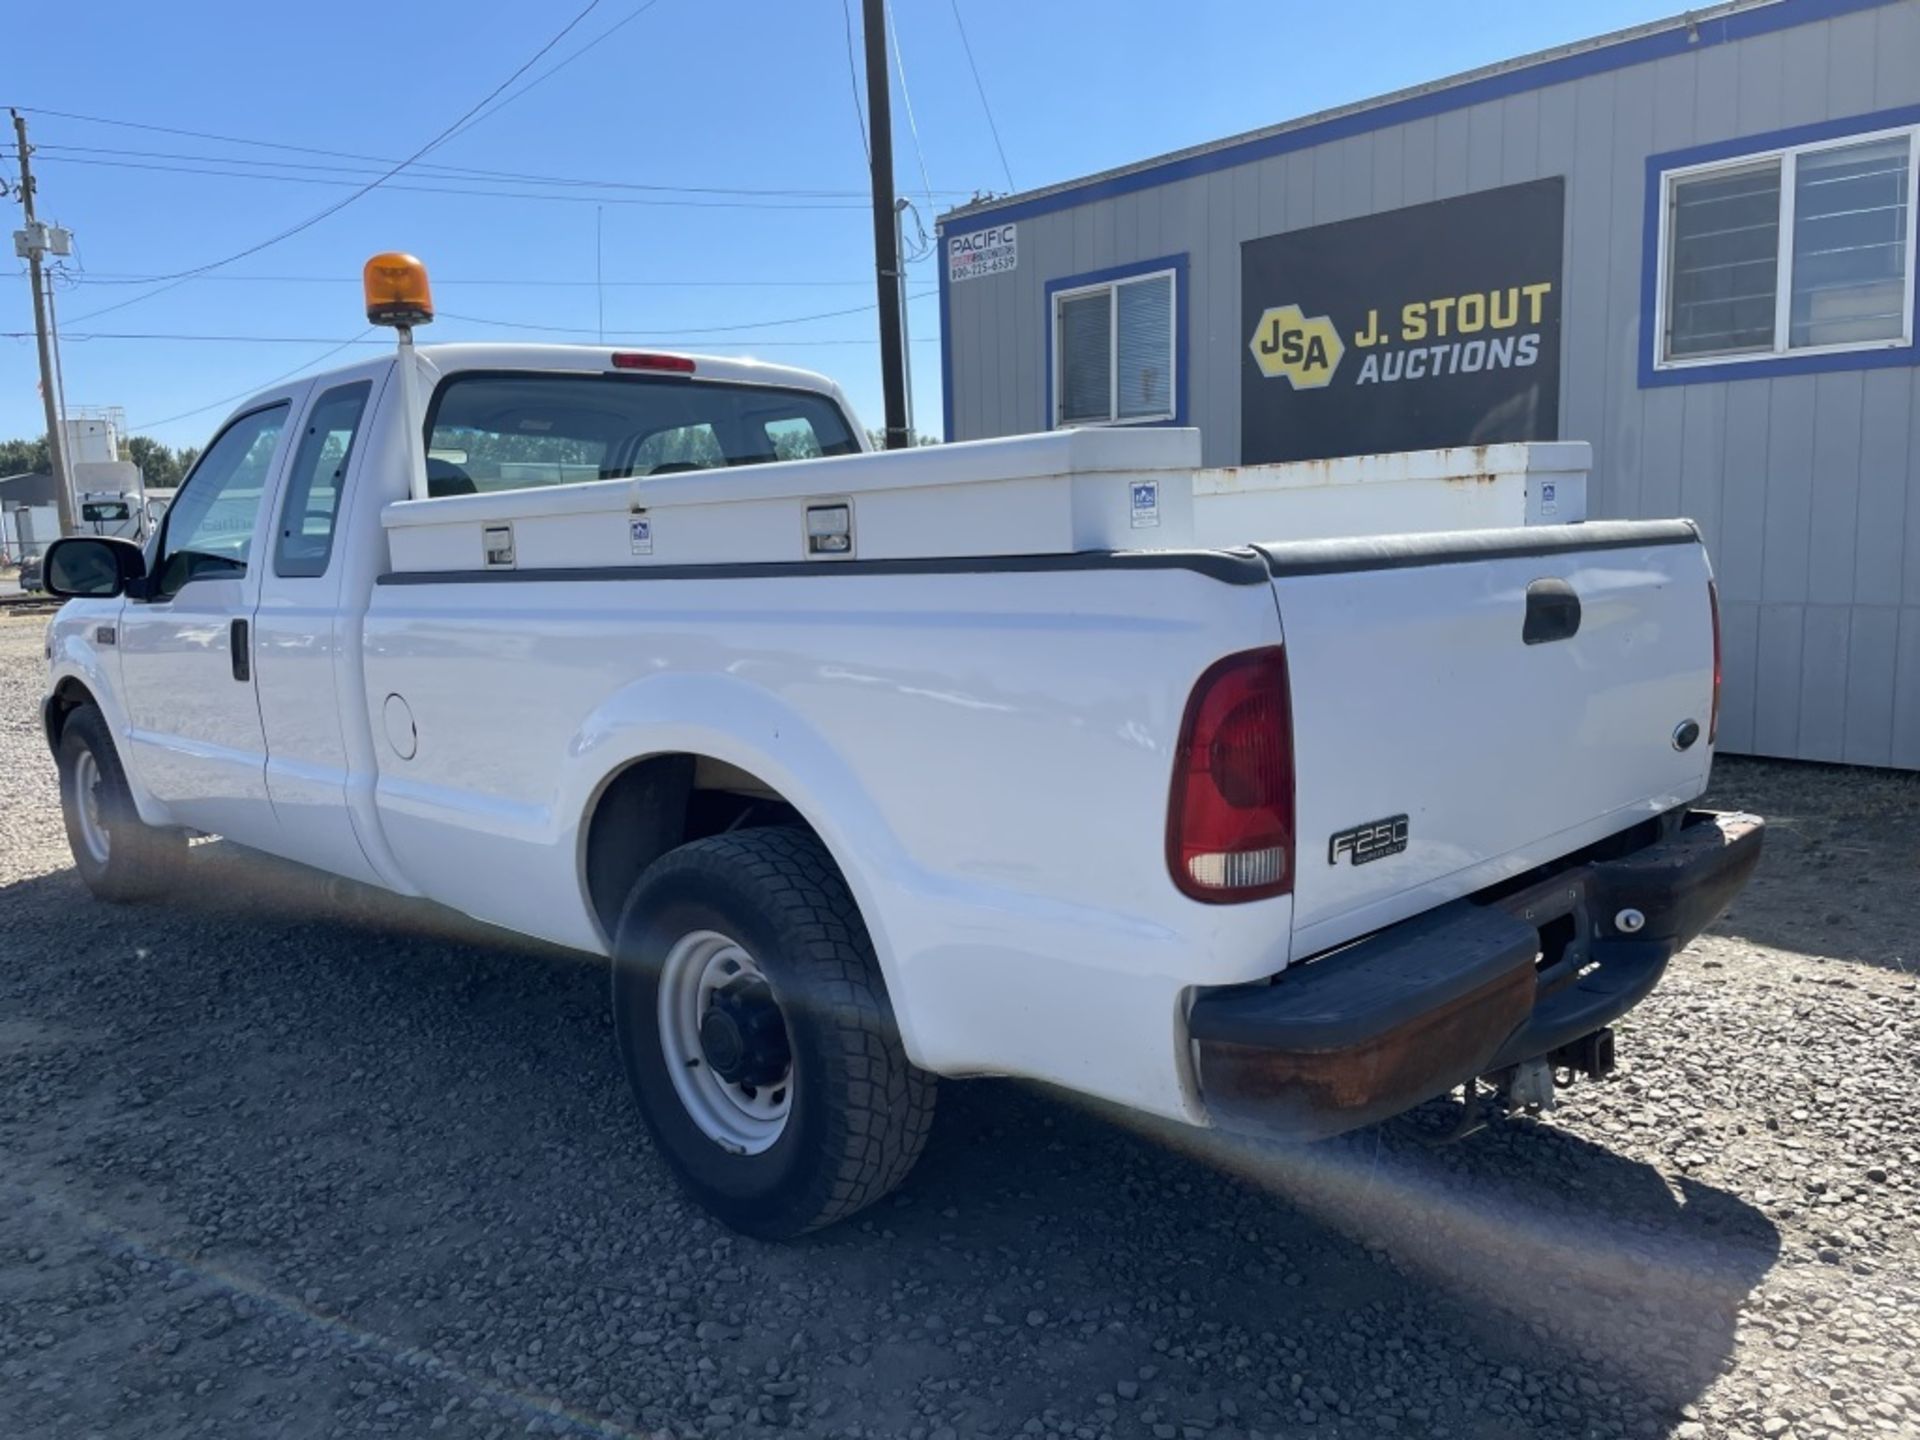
[312, 505]
[209, 528]
[488, 432]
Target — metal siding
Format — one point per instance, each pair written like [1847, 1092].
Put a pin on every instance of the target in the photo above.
[1823, 683]
[1777, 680]
[1583, 365]
[1389, 172]
[1850, 47]
[1885, 501]
[1701, 429]
[1896, 55]
[1910, 560]
[1417, 165]
[1743, 496]
[1632, 139]
[1356, 177]
[1739, 652]
[1757, 107]
[1835, 475]
[1783, 557]
[1872, 651]
[1486, 145]
[1451, 142]
[1329, 191]
[1807, 487]
[1663, 451]
[1803, 76]
[1906, 690]
[1520, 138]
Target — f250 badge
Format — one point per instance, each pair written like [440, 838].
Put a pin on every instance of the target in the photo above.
[1364, 844]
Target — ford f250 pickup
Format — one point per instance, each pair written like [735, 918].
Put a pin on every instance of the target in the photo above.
[867, 769]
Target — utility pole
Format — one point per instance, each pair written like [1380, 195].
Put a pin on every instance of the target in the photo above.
[32, 244]
[906, 329]
[886, 247]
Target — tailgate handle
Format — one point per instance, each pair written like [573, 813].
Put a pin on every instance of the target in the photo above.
[1553, 612]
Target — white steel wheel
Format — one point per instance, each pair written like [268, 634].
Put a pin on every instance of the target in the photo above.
[90, 818]
[725, 1042]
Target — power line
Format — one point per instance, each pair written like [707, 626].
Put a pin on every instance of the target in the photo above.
[853, 79]
[967, 45]
[450, 172]
[565, 197]
[254, 389]
[661, 334]
[906, 99]
[548, 74]
[181, 277]
[91, 277]
[342, 344]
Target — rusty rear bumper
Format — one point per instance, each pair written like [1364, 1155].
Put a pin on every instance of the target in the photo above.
[1485, 982]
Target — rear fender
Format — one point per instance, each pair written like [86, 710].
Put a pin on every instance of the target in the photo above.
[728, 719]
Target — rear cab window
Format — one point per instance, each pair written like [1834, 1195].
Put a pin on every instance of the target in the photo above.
[490, 432]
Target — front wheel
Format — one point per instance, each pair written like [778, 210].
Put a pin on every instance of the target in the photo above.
[758, 1036]
[118, 856]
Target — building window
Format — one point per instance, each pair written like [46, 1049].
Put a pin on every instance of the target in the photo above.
[1803, 250]
[1114, 351]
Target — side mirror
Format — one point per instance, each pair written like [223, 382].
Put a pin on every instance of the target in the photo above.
[91, 567]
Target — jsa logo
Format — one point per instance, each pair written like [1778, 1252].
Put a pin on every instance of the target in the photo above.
[1301, 350]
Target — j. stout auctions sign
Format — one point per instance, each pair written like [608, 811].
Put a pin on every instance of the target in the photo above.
[1433, 325]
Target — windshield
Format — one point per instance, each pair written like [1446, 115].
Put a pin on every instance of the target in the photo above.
[510, 432]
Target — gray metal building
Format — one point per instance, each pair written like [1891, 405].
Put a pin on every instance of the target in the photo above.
[1691, 244]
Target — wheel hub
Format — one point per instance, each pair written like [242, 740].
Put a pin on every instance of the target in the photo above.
[724, 1040]
[742, 1035]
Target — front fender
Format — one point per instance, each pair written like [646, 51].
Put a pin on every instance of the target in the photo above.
[725, 718]
[75, 657]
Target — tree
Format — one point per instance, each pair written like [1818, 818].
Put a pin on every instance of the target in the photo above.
[160, 467]
[25, 457]
[878, 439]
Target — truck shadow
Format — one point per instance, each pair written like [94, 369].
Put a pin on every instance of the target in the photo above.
[341, 1095]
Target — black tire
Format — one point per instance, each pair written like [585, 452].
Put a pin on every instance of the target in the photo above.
[139, 858]
[860, 1110]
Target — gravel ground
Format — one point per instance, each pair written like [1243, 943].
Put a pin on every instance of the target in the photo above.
[275, 1164]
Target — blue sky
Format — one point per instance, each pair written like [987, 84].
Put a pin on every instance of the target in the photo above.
[741, 95]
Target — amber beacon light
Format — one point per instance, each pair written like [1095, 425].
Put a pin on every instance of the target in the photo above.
[397, 290]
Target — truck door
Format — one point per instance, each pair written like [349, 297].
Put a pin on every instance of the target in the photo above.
[186, 641]
[300, 637]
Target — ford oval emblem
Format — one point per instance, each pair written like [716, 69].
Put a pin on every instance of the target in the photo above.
[1685, 733]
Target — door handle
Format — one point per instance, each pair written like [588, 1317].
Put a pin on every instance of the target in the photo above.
[238, 648]
[1553, 612]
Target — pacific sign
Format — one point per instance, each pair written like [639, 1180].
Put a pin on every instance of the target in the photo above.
[992, 251]
[1455, 304]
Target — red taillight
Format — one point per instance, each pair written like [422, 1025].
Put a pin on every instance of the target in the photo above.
[1230, 818]
[640, 360]
[1713, 714]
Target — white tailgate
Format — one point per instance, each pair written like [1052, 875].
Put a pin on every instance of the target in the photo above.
[1414, 694]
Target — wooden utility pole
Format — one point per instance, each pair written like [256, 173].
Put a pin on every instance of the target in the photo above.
[34, 247]
[886, 247]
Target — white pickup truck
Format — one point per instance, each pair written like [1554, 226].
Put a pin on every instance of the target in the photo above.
[871, 768]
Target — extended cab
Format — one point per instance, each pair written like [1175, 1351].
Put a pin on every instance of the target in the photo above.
[871, 768]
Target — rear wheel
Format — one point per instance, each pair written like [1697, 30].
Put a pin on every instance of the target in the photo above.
[758, 1037]
[118, 856]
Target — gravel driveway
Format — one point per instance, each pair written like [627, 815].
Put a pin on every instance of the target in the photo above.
[275, 1162]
